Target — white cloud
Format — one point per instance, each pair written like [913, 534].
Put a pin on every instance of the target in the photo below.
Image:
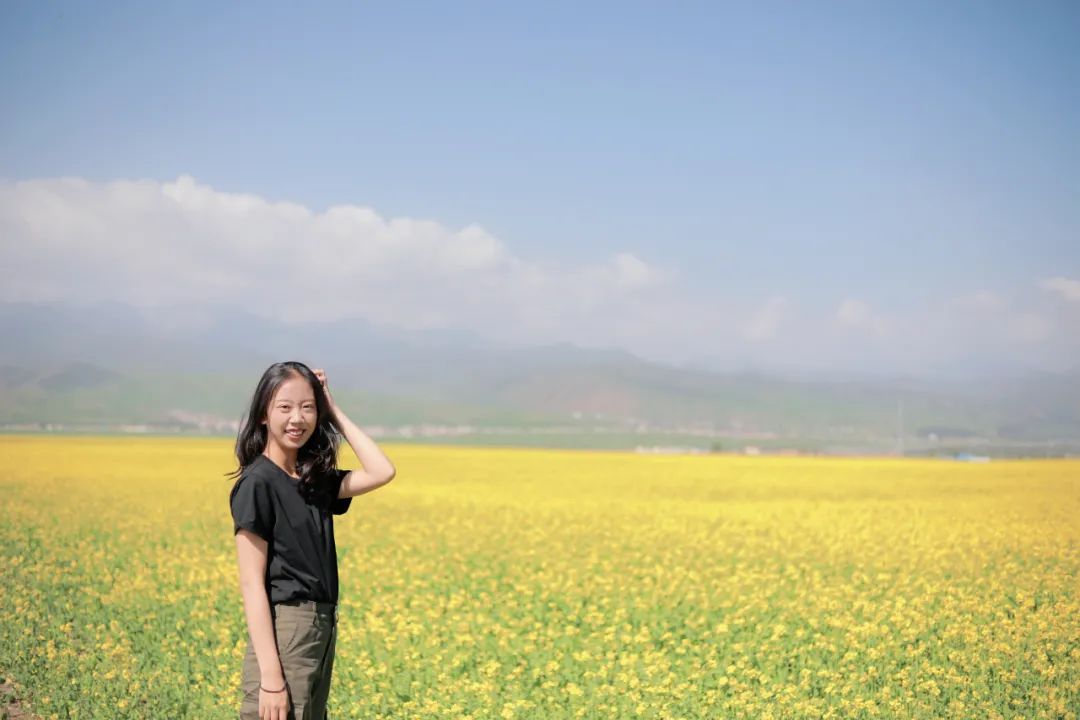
[994, 319]
[857, 314]
[981, 301]
[1063, 287]
[183, 244]
[632, 272]
[174, 243]
[765, 322]
[1028, 327]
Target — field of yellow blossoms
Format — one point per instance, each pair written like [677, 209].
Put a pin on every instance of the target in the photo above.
[506, 584]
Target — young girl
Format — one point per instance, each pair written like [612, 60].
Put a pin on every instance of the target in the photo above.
[288, 489]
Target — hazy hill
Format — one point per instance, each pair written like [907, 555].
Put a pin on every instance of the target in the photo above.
[112, 365]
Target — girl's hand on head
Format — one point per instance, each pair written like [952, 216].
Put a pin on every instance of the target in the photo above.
[321, 375]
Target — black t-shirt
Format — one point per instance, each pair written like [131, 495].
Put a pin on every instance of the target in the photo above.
[301, 556]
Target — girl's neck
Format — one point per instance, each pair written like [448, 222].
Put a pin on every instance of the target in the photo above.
[283, 459]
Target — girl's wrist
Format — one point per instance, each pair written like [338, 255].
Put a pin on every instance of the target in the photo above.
[272, 680]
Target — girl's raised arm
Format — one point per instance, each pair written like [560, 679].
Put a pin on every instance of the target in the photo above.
[377, 469]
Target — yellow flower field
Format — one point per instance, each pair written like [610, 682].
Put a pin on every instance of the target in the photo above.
[505, 584]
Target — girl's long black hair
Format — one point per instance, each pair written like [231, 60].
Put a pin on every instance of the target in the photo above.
[316, 460]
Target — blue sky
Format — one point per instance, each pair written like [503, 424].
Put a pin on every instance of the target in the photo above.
[899, 155]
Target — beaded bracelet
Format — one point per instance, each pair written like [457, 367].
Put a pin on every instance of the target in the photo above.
[274, 691]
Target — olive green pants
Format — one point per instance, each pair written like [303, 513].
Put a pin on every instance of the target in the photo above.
[306, 633]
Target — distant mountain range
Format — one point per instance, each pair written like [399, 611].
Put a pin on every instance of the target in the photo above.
[112, 367]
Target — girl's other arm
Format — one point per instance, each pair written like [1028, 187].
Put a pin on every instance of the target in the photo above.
[251, 552]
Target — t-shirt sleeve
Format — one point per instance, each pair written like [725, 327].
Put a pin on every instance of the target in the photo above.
[251, 507]
[339, 506]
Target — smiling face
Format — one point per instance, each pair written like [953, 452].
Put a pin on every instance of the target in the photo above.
[291, 416]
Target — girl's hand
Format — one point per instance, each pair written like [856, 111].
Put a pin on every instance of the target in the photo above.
[321, 375]
[273, 706]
